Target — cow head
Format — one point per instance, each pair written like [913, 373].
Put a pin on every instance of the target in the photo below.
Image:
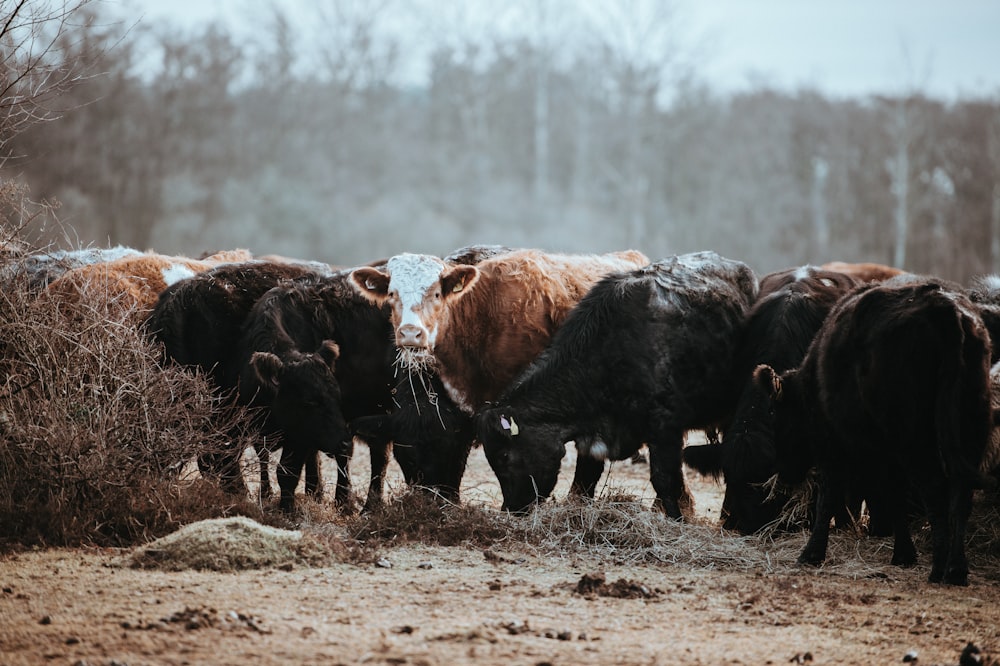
[419, 289]
[792, 457]
[746, 458]
[525, 457]
[306, 404]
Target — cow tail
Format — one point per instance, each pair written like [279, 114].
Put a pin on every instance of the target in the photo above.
[963, 385]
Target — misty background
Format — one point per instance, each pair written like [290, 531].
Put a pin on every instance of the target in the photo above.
[350, 130]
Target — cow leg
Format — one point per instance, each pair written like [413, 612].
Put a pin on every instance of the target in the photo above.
[379, 450]
[960, 506]
[893, 503]
[342, 494]
[224, 467]
[666, 473]
[289, 471]
[314, 475]
[588, 473]
[831, 495]
[264, 462]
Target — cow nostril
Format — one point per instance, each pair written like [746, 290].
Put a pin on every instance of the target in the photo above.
[411, 334]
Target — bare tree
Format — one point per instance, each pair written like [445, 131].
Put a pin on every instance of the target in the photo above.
[642, 57]
[36, 38]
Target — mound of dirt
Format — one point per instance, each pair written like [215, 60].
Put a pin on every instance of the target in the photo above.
[228, 544]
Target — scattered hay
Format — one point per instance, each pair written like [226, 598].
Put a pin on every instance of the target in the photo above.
[229, 544]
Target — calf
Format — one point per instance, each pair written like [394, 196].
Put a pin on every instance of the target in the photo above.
[789, 311]
[893, 391]
[644, 357]
[298, 323]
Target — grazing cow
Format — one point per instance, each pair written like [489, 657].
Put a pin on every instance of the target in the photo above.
[199, 321]
[479, 326]
[790, 309]
[864, 272]
[136, 281]
[302, 319]
[644, 357]
[894, 391]
[431, 436]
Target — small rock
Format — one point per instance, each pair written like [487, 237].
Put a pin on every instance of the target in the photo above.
[46, 620]
[910, 657]
[425, 565]
[383, 563]
[72, 640]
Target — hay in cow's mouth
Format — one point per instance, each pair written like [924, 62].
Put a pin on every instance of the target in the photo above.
[415, 360]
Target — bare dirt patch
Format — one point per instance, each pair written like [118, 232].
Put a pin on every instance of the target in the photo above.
[511, 603]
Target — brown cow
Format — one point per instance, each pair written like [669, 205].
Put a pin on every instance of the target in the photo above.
[137, 280]
[479, 326]
[864, 272]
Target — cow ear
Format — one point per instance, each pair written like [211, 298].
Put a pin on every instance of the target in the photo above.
[490, 426]
[372, 283]
[267, 367]
[769, 381]
[329, 351]
[458, 279]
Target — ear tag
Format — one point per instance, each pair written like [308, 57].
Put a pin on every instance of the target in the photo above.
[370, 284]
[504, 423]
[513, 428]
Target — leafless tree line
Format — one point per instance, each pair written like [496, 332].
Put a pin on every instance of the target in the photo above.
[587, 130]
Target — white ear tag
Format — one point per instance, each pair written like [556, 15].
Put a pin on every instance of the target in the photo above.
[513, 427]
[504, 423]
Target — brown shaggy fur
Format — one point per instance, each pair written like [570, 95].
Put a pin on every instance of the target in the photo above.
[864, 272]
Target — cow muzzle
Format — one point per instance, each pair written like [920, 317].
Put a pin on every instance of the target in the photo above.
[409, 335]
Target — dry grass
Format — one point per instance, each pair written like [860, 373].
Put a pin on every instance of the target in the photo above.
[621, 530]
[229, 544]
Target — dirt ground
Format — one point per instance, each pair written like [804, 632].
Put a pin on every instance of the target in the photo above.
[437, 605]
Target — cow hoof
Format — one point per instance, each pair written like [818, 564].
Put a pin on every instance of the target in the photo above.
[904, 559]
[951, 577]
[811, 558]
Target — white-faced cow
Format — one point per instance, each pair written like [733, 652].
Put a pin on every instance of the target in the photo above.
[431, 436]
[894, 391]
[199, 321]
[789, 311]
[644, 357]
[479, 326]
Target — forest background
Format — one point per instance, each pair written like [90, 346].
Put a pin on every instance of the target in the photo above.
[189, 140]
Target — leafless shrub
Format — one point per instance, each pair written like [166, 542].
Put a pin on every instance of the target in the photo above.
[94, 433]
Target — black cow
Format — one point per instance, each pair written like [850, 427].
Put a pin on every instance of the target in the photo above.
[894, 391]
[790, 309]
[200, 321]
[297, 322]
[645, 356]
[431, 436]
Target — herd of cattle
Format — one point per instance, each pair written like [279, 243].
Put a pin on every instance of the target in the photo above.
[878, 381]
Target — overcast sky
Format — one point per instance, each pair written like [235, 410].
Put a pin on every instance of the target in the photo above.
[946, 48]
